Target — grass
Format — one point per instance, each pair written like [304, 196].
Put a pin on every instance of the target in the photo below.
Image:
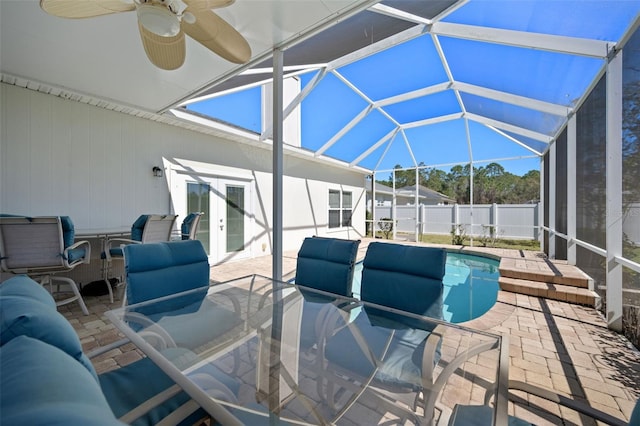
[533, 245]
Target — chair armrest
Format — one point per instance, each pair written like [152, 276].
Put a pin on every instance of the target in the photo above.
[111, 242]
[84, 244]
[437, 386]
[429, 359]
[565, 401]
[106, 348]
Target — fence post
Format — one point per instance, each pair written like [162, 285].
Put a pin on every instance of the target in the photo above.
[455, 218]
[494, 217]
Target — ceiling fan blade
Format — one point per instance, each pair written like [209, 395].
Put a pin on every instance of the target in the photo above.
[208, 4]
[84, 9]
[217, 35]
[167, 53]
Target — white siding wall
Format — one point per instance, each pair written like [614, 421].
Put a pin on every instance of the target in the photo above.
[60, 157]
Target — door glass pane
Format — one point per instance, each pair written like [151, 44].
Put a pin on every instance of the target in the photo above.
[235, 218]
[198, 201]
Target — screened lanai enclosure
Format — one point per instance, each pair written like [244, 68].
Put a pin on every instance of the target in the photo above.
[550, 85]
[393, 85]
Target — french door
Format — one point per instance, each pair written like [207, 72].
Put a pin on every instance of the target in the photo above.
[225, 204]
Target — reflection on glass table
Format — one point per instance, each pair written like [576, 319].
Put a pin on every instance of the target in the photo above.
[370, 364]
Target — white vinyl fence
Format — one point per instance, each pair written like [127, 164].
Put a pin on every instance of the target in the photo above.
[513, 221]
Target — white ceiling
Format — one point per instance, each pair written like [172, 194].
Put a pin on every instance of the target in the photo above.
[103, 56]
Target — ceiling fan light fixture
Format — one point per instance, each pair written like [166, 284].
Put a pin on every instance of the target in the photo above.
[158, 20]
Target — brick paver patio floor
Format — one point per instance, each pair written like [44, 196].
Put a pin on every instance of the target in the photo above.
[563, 347]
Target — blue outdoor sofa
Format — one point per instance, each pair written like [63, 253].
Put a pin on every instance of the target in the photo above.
[47, 379]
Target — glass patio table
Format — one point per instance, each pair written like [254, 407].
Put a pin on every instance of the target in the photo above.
[258, 351]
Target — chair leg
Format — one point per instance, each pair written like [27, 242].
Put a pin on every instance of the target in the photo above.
[76, 294]
[108, 284]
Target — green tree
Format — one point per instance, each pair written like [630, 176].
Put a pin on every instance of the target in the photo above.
[491, 183]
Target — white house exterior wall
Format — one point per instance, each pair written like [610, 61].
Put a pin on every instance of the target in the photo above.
[60, 157]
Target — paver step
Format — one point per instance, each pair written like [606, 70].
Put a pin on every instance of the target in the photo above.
[544, 270]
[565, 293]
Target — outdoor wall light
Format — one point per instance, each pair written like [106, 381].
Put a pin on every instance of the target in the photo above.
[157, 171]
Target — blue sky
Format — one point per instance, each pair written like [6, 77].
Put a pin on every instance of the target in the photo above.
[560, 79]
[436, 144]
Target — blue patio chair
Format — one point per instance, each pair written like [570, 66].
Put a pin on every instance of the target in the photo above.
[190, 225]
[42, 247]
[325, 264]
[480, 415]
[148, 228]
[401, 352]
[156, 270]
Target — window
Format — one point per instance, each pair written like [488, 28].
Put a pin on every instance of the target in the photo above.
[340, 208]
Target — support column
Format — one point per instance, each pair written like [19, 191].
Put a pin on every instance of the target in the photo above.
[373, 205]
[417, 200]
[614, 191]
[541, 207]
[393, 205]
[552, 201]
[277, 168]
[571, 190]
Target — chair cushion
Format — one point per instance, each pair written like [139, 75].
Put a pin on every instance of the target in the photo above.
[75, 255]
[68, 231]
[478, 415]
[635, 415]
[137, 229]
[400, 365]
[159, 269]
[24, 316]
[43, 385]
[23, 286]
[189, 326]
[185, 228]
[428, 262]
[413, 284]
[327, 264]
[133, 384]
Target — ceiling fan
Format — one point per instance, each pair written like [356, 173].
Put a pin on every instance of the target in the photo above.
[163, 24]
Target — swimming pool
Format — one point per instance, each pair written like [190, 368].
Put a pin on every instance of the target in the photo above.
[470, 286]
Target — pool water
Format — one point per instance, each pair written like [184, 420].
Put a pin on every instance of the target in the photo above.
[470, 286]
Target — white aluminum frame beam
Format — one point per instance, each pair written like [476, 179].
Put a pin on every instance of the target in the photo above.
[297, 100]
[358, 118]
[514, 140]
[375, 146]
[510, 128]
[551, 43]
[434, 120]
[521, 101]
[425, 91]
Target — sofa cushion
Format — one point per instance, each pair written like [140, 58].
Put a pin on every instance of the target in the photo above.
[43, 385]
[23, 286]
[29, 316]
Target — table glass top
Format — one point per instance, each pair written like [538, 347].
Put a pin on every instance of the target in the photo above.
[274, 352]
